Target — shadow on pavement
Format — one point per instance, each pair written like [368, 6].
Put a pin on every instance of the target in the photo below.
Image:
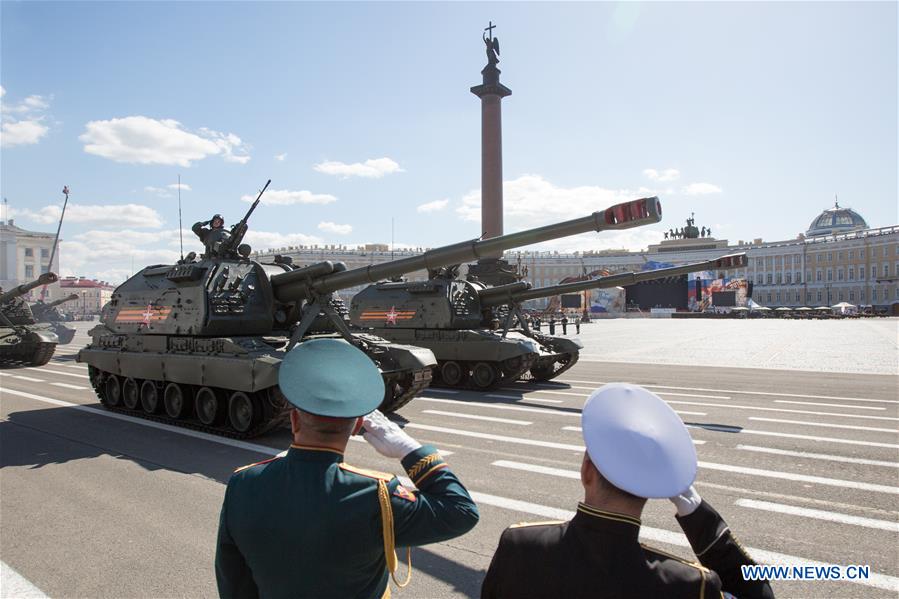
[464, 579]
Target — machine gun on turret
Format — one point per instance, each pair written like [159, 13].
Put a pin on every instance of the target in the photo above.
[232, 245]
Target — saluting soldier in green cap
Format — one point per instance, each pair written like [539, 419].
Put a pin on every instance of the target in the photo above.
[305, 523]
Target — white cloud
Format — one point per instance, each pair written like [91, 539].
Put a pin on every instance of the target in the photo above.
[434, 206]
[261, 240]
[143, 140]
[280, 157]
[668, 174]
[372, 168]
[159, 191]
[183, 186]
[114, 215]
[22, 123]
[22, 133]
[329, 227]
[108, 255]
[531, 200]
[694, 189]
[285, 197]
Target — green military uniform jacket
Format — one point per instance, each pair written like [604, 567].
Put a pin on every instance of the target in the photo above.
[308, 525]
[597, 555]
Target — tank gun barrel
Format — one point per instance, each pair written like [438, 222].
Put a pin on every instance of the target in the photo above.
[44, 279]
[505, 294]
[626, 215]
[61, 300]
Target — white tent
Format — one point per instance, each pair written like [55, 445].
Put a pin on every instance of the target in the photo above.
[844, 308]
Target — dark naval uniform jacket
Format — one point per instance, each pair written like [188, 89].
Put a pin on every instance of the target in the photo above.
[308, 525]
[597, 555]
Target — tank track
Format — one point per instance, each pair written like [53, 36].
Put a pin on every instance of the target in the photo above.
[560, 365]
[279, 417]
[405, 393]
[507, 373]
[38, 357]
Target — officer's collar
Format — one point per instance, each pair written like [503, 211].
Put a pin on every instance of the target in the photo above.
[607, 521]
[315, 453]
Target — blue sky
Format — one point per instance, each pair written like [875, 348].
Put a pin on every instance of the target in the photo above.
[753, 115]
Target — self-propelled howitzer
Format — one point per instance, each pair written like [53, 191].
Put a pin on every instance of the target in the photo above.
[444, 313]
[47, 312]
[22, 339]
[199, 343]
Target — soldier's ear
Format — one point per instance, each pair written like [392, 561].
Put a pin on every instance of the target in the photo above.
[294, 422]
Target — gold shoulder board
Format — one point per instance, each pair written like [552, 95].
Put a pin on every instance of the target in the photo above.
[385, 476]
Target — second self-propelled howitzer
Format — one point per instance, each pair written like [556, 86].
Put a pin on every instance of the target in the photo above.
[479, 333]
[22, 339]
[199, 343]
[445, 313]
[47, 312]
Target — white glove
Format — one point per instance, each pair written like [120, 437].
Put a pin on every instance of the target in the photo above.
[387, 437]
[687, 502]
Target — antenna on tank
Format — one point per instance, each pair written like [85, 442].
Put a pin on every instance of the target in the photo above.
[180, 228]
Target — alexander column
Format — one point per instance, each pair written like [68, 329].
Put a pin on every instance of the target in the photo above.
[491, 92]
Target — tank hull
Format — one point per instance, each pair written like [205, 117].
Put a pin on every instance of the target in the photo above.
[27, 345]
[557, 355]
[223, 385]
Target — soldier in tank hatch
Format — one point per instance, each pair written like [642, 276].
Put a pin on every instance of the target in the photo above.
[305, 523]
[637, 448]
[213, 236]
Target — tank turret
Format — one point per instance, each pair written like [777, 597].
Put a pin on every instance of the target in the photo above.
[22, 340]
[62, 300]
[47, 312]
[45, 279]
[198, 343]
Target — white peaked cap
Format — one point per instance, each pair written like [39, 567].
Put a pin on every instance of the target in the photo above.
[637, 442]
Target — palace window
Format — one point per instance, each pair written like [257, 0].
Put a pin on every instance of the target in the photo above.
[789, 277]
[873, 271]
[770, 278]
[45, 253]
[45, 269]
[819, 297]
[839, 256]
[851, 295]
[818, 275]
[29, 252]
[886, 270]
[885, 250]
[808, 275]
[797, 297]
[777, 296]
[808, 297]
[840, 296]
[29, 271]
[861, 295]
[874, 294]
[839, 274]
[758, 279]
[830, 256]
[851, 273]
[779, 281]
[829, 274]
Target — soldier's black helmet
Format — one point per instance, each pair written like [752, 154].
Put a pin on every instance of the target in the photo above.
[216, 216]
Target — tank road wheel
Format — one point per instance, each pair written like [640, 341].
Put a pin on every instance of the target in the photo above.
[206, 404]
[174, 401]
[543, 372]
[131, 394]
[484, 375]
[149, 397]
[452, 373]
[243, 411]
[113, 390]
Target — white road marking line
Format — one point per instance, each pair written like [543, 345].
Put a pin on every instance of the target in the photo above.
[657, 392]
[747, 431]
[745, 392]
[826, 425]
[79, 366]
[793, 510]
[830, 482]
[659, 535]
[45, 370]
[499, 406]
[492, 437]
[741, 407]
[27, 378]
[68, 386]
[818, 456]
[881, 581]
[13, 584]
[830, 405]
[476, 417]
[523, 397]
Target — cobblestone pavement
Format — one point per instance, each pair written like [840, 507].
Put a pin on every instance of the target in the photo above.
[867, 346]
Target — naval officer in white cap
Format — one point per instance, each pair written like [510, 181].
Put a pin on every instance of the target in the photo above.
[637, 449]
